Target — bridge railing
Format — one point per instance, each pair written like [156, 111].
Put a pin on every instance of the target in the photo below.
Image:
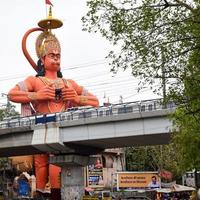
[78, 113]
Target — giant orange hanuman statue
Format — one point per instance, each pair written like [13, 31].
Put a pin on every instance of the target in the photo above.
[48, 92]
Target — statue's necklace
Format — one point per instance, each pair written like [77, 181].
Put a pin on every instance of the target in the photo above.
[57, 83]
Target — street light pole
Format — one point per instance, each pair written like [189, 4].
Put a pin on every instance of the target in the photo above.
[163, 78]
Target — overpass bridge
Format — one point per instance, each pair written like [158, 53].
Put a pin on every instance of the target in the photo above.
[88, 130]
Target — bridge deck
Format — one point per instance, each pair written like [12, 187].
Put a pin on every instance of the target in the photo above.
[88, 135]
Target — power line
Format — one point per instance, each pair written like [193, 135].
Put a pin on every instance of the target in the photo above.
[116, 83]
[78, 66]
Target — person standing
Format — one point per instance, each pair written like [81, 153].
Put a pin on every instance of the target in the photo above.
[154, 183]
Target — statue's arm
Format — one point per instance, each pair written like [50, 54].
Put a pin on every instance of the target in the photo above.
[88, 100]
[19, 96]
[24, 92]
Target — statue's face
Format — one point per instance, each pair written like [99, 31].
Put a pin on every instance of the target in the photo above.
[51, 60]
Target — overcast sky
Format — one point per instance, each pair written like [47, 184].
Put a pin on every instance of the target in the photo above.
[83, 54]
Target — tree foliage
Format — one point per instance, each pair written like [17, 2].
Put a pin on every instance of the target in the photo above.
[158, 39]
[153, 158]
[153, 35]
[187, 116]
[188, 138]
[8, 111]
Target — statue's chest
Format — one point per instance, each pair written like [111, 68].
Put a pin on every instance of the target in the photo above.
[56, 84]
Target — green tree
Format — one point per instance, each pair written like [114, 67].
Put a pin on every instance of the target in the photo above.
[150, 35]
[187, 116]
[153, 158]
[8, 111]
[158, 40]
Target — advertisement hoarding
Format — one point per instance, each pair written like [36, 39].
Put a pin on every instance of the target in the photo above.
[137, 180]
[95, 173]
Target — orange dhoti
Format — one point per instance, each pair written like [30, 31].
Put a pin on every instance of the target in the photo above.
[49, 175]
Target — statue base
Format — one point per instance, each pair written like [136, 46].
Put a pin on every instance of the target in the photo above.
[72, 175]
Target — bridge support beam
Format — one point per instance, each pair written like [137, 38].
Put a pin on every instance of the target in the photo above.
[72, 175]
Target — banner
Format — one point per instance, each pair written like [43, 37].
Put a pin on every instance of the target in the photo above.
[95, 173]
[137, 180]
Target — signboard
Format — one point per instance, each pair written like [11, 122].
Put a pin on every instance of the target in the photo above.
[137, 180]
[95, 173]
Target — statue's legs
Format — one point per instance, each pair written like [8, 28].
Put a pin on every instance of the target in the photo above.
[47, 176]
[41, 171]
[54, 177]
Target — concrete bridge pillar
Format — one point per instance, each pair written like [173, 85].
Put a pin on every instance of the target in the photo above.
[72, 175]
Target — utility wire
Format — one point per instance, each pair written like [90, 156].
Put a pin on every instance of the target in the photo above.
[78, 66]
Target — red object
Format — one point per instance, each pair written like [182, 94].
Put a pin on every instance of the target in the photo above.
[48, 2]
[89, 189]
[166, 174]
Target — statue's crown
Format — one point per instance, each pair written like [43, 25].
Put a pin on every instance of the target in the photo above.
[46, 41]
